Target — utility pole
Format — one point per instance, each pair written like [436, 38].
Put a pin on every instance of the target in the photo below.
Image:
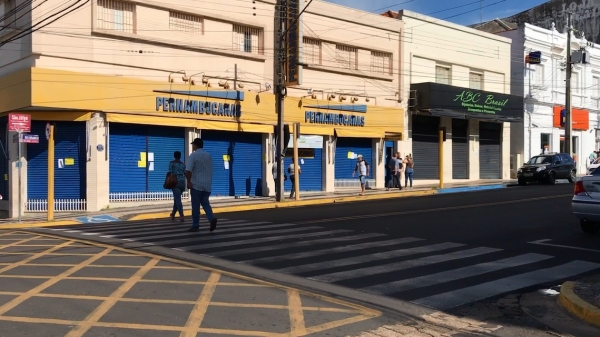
[568, 123]
[279, 96]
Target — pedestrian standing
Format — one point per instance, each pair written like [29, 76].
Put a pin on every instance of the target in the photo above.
[362, 168]
[199, 173]
[408, 174]
[177, 168]
[390, 170]
[293, 178]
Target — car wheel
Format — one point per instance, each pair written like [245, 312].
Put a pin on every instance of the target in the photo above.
[589, 227]
[522, 182]
[572, 176]
[551, 178]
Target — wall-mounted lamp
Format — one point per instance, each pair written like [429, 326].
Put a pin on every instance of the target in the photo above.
[240, 86]
[184, 77]
[353, 99]
[342, 98]
[191, 81]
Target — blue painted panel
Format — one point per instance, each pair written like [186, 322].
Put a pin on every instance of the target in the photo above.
[97, 219]
[244, 176]
[311, 178]
[4, 162]
[344, 166]
[126, 142]
[389, 143]
[163, 141]
[69, 142]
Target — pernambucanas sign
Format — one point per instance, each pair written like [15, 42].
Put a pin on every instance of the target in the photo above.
[471, 102]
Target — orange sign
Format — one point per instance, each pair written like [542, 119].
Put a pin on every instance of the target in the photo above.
[580, 118]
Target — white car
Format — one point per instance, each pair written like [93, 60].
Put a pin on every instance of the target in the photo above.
[586, 202]
[593, 166]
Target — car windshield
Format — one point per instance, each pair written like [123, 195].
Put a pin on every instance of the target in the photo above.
[540, 160]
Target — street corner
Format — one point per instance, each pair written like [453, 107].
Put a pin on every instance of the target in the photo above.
[582, 299]
[58, 286]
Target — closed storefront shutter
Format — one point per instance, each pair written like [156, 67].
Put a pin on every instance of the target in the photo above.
[311, 178]
[425, 144]
[245, 159]
[490, 140]
[460, 149]
[127, 144]
[69, 163]
[4, 162]
[344, 166]
[163, 141]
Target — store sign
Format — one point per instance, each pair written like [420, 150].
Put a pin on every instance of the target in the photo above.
[435, 96]
[193, 106]
[475, 101]
[313, 117]
[308, 142]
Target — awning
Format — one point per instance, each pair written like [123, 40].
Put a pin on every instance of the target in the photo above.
[314, 130]
[152, 120]
[359, 133]
[470, 115]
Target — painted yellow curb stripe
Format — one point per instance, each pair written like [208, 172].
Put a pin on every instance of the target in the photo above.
[271, 205]
[577, 306]
[40, 224]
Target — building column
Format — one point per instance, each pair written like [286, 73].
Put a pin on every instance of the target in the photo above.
[190, 135]
[268, 160]
[378, 169]
[447, 123]
[328, 164]
[13, 176]
[473, 149]
[505, 160]
[97, 179]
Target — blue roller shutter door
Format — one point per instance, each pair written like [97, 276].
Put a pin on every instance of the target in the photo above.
[344, 166]
[126, 142]
[311, 178]
[244, 150]
[4, 158]
[163, 142]
[69, 146]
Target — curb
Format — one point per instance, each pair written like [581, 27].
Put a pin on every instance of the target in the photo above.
[273, 205]
[40, 224]
[577, 306]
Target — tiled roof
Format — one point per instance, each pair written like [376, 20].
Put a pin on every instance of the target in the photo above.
[390, 14]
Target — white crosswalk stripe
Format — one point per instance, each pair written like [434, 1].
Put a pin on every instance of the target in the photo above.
[371, 262]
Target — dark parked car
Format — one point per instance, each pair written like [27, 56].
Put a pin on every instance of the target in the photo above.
[547, 168]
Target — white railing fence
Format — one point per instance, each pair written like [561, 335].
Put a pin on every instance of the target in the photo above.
[145, 196]
[352, 183]
[60, 205]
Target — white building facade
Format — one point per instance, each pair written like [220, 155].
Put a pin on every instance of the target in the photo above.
[543, 86]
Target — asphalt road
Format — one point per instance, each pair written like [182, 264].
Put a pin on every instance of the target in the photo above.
[444, 252]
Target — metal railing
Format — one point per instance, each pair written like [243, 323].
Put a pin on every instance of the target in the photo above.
[144, 196]
[60, 205]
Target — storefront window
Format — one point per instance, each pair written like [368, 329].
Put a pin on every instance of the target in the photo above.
[545, 142]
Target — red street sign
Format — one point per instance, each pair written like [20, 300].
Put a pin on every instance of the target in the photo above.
[19, 122]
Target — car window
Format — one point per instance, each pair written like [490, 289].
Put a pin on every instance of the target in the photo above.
[540, 160]
[566, 158]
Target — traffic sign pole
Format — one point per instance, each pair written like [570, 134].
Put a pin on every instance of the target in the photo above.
[50, 135]
[19, 164]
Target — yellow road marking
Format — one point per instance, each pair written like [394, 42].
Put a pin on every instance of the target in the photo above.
[35, 256]
[197, 315]
[335, 324]
[298, 327]
[17, 243]
[25, 296]
[103, 308]
[441, 209]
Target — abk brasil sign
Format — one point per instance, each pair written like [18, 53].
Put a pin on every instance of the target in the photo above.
[198, 107]
[314, 117]
[432, 96]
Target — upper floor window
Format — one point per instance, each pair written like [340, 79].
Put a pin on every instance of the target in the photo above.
[346, 56]
[476, 81]
[381, 63]
[575, 82]
[311, 51]
[247, 39]
[442, 75]
[10, 13]
[537, 76]
[185, 22]
[595, 89]
[116, 15]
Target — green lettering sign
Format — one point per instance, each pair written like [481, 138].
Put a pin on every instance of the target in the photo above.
[470, 101]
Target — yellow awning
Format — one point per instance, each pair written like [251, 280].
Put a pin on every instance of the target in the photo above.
[360, 133]
[229, 126]
[152, 120]
[59, 116]
[314, 130]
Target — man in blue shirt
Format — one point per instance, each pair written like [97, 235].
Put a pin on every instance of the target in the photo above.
[199, 174]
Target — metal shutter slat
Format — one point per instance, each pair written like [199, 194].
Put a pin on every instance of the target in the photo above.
[126, 142]
[163, 141]
[344, 166]
[425, 147]
[69, 181]
[460, 149]
[490, 150]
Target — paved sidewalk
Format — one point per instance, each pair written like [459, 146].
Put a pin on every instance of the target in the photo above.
[582, 299]
[53, 286]
[221, 205]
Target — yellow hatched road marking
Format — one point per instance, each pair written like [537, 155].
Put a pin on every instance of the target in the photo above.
[197, 315]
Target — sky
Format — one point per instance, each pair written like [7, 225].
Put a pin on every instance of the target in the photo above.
[464, 12]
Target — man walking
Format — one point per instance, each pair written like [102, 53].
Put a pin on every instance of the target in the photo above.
[362, 167]
[199, 173]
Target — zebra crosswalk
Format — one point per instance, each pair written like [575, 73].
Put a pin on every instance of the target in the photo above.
[439, 275]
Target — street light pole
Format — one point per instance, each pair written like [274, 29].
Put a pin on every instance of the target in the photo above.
[279, 98]
[568, 122]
